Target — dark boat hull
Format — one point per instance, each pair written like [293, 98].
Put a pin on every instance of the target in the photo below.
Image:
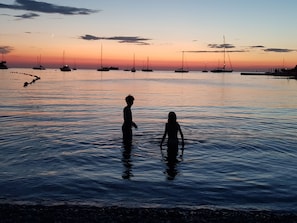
[65, 68]
[221, 71]
[3, 65]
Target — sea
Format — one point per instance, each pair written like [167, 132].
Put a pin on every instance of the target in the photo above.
[61, 139]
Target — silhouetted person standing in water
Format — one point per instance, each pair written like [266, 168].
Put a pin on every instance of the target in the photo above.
[171, 129]
[128, 121]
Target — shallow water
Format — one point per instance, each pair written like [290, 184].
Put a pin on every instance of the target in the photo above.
[60, 139]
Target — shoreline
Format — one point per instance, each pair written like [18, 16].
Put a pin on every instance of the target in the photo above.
[77, 213]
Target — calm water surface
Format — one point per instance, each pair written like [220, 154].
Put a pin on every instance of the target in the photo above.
[60, 139]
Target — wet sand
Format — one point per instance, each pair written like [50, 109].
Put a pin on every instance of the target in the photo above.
[72, 213]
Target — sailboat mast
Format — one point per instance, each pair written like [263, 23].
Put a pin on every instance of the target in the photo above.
[224, 54]
[101, 56]
[183, 60]
[63, 58]
[147, 63]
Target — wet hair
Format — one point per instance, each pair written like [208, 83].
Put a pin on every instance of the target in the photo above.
[129, 99]
[171, 117]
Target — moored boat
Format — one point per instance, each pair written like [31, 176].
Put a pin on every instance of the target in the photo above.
[65, 68]
[3, 65]
[277, 72]
[147, 69]
[181, 70]
[255, 73]
[40, 67]
[223, 69]
[103, 69]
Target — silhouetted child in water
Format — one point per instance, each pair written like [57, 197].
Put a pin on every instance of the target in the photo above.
[171, 129]
[128, 121]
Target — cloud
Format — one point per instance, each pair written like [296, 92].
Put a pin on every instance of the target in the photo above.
[5, 49]
[121, 39]
[27, 16]
[215, 51]
[130, 39]
[278, 50]
[44, 7]
[4, 14]
[89, 37]
[257, 46]
[220, 46]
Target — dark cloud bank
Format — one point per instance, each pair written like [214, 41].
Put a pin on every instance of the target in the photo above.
[230, 48]
[278, 50]
[27, 16]
[44, 7]
[120, 39]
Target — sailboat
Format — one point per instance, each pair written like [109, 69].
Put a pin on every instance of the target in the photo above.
[3, 63]
[39, 66]
[205, 70]
[65, 67]
[101, 68]
[147, 69]
[133, 69]
[181, 70]
[223, 69]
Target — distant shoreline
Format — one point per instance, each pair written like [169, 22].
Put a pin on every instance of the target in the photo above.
[76, 213]
[138, 69]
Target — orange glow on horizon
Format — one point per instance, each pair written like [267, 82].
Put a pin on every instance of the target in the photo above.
[122, 57]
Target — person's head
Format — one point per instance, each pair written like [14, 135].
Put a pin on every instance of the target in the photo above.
[171, 117]
[129, 100]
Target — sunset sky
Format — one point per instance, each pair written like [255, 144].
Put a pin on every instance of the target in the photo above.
[259, 34]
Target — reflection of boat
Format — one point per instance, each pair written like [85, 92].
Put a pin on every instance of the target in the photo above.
[3, 65]
[101, 68]
[181, 70]
[147, 69]
[223, 69]
[65, 68]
